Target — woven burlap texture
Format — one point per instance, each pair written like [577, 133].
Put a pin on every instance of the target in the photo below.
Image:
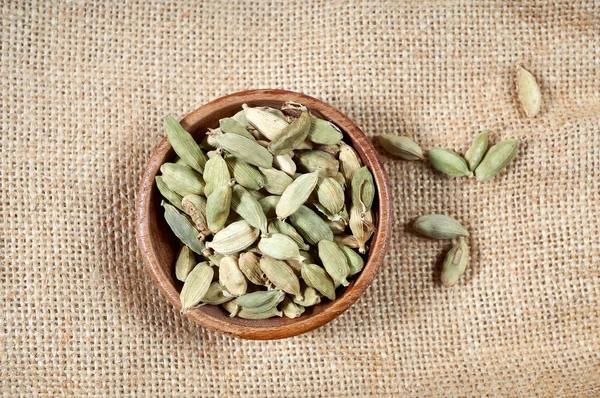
[85, 86]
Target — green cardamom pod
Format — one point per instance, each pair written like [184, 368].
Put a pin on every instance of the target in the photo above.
[276, 181]
[349, 162]
[195, 206]
[285, 163]
[339, 177]
[244, 204]
[401, 146]
[246, 149]
[234, 238]
[528, 92]
[277, 226]
[280, 247]
[212, 256]
[477, 149]
[217, 294]
[256, 194]
[269, 205]
[337, 227]
[186, 261]
[346, 240]
[216, 174]
[334, 261]
[312, 227]
[330, 195]
[195, 287]
[310, 296]
[362, 227]
[260, 301]
[341, 216]
[235, 310]
[232, 277]
[182, 179]
[455, 263]
[173, 197]
[315, 160]
[296, 194]
[318, 279]
[306, 144]
[439, 226]
[268, 124]
[291, 309]
[355, 261]
[292, 136]
[281, 275]
[324, 132]
[449, 162]
[244, 174]
[333, 150]
[182, 227]
[184, 145]
[363, 189]
[496, 159]
[240, 117]
[249, 264]
[218, 206]
[232, 126]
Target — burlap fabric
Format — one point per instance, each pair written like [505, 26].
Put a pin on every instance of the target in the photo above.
[84, 88]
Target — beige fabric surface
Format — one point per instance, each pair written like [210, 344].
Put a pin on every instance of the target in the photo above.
[84, 88]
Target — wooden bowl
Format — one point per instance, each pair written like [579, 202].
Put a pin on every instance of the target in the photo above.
[159, 246]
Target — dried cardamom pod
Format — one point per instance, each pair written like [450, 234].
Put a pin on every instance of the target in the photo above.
[231, 277]
[318, 279]
[339, 177]
[269, 205]
[260, 301]
[246, 149]
[349, 162]
[280, 247]
[362, 227]
[186, 261]
[439, 226]
[296, 194]
[268, 124]
[195, 206]
[244, 204]
[216, 174]
[277, 226]
[449, 162]
[240, 117]
[182, 227]
[346, 240]
[196, 286]
[330, 194]
[281, 275]
[234, 238]
[455, 263]
[255, 194]
[292, 136]
[333, 150]
[341, 216]
[285, 163]
[291, 309]
[182, 179]
[337, 227]
[477, 149]
[296, 265]
[315, 160]
[218, 206]
[209, 143]
[173, 197]
[324, 132]
[249, 264]
[496, 159]
[312, 227]
[212, 256]
[217, 294]
[232, 126]
[306, 144]
[334, 261]
[355, 261]
[401, 146]
[529, 92]
[184, 145]
[363, 189]
[276, 181]
[235, 310]
[244, 174]
[310, 296]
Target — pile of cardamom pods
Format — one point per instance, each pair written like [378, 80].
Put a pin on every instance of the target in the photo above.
[261, 209]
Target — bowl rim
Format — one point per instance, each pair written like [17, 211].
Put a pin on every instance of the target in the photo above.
[379, 241]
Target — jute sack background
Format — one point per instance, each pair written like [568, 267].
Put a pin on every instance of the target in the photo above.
[84, 88]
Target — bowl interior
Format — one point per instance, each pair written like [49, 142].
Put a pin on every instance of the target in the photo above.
[160, 245]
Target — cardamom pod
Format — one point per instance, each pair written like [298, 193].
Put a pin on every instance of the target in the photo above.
[339, 177]
[477, 149]
[235, 310]
[269, 205]
[296, 194]
[528, 92]
[281, 275]
[318, 279]
[173, 197]
[186, 261]
[355, 261]
[244, 174]
[349, 162]
[363, 189]
[255, 194]
[449, 162]
[249, 264]
[306, 144]
[217, 294]
[216, 174]
[341, 216]
[182, 227]
[277, 226]
[324, 132]
[291, 309]
[310, 296]
[246, 149]
[184, 145]
[195, 286]
[330, 195]
[496, 159]
[362, 227]
[260, 301]
[268, 124]
[439, 226]
[244, 204]
[401, 146]
[276, 181]
[292, 136]
[280, 247]
[231, 277]
[312, 227]
[285, 163]
[337, 227]
[334, 261]
[231, 126]
[315, 160]
[240, 117]
[182, 179]
[218, 206]
[346, 240]
[333, 150]
[195, 206]
[212, 256]
[234, 238]
[455, 263]
[209, 143]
